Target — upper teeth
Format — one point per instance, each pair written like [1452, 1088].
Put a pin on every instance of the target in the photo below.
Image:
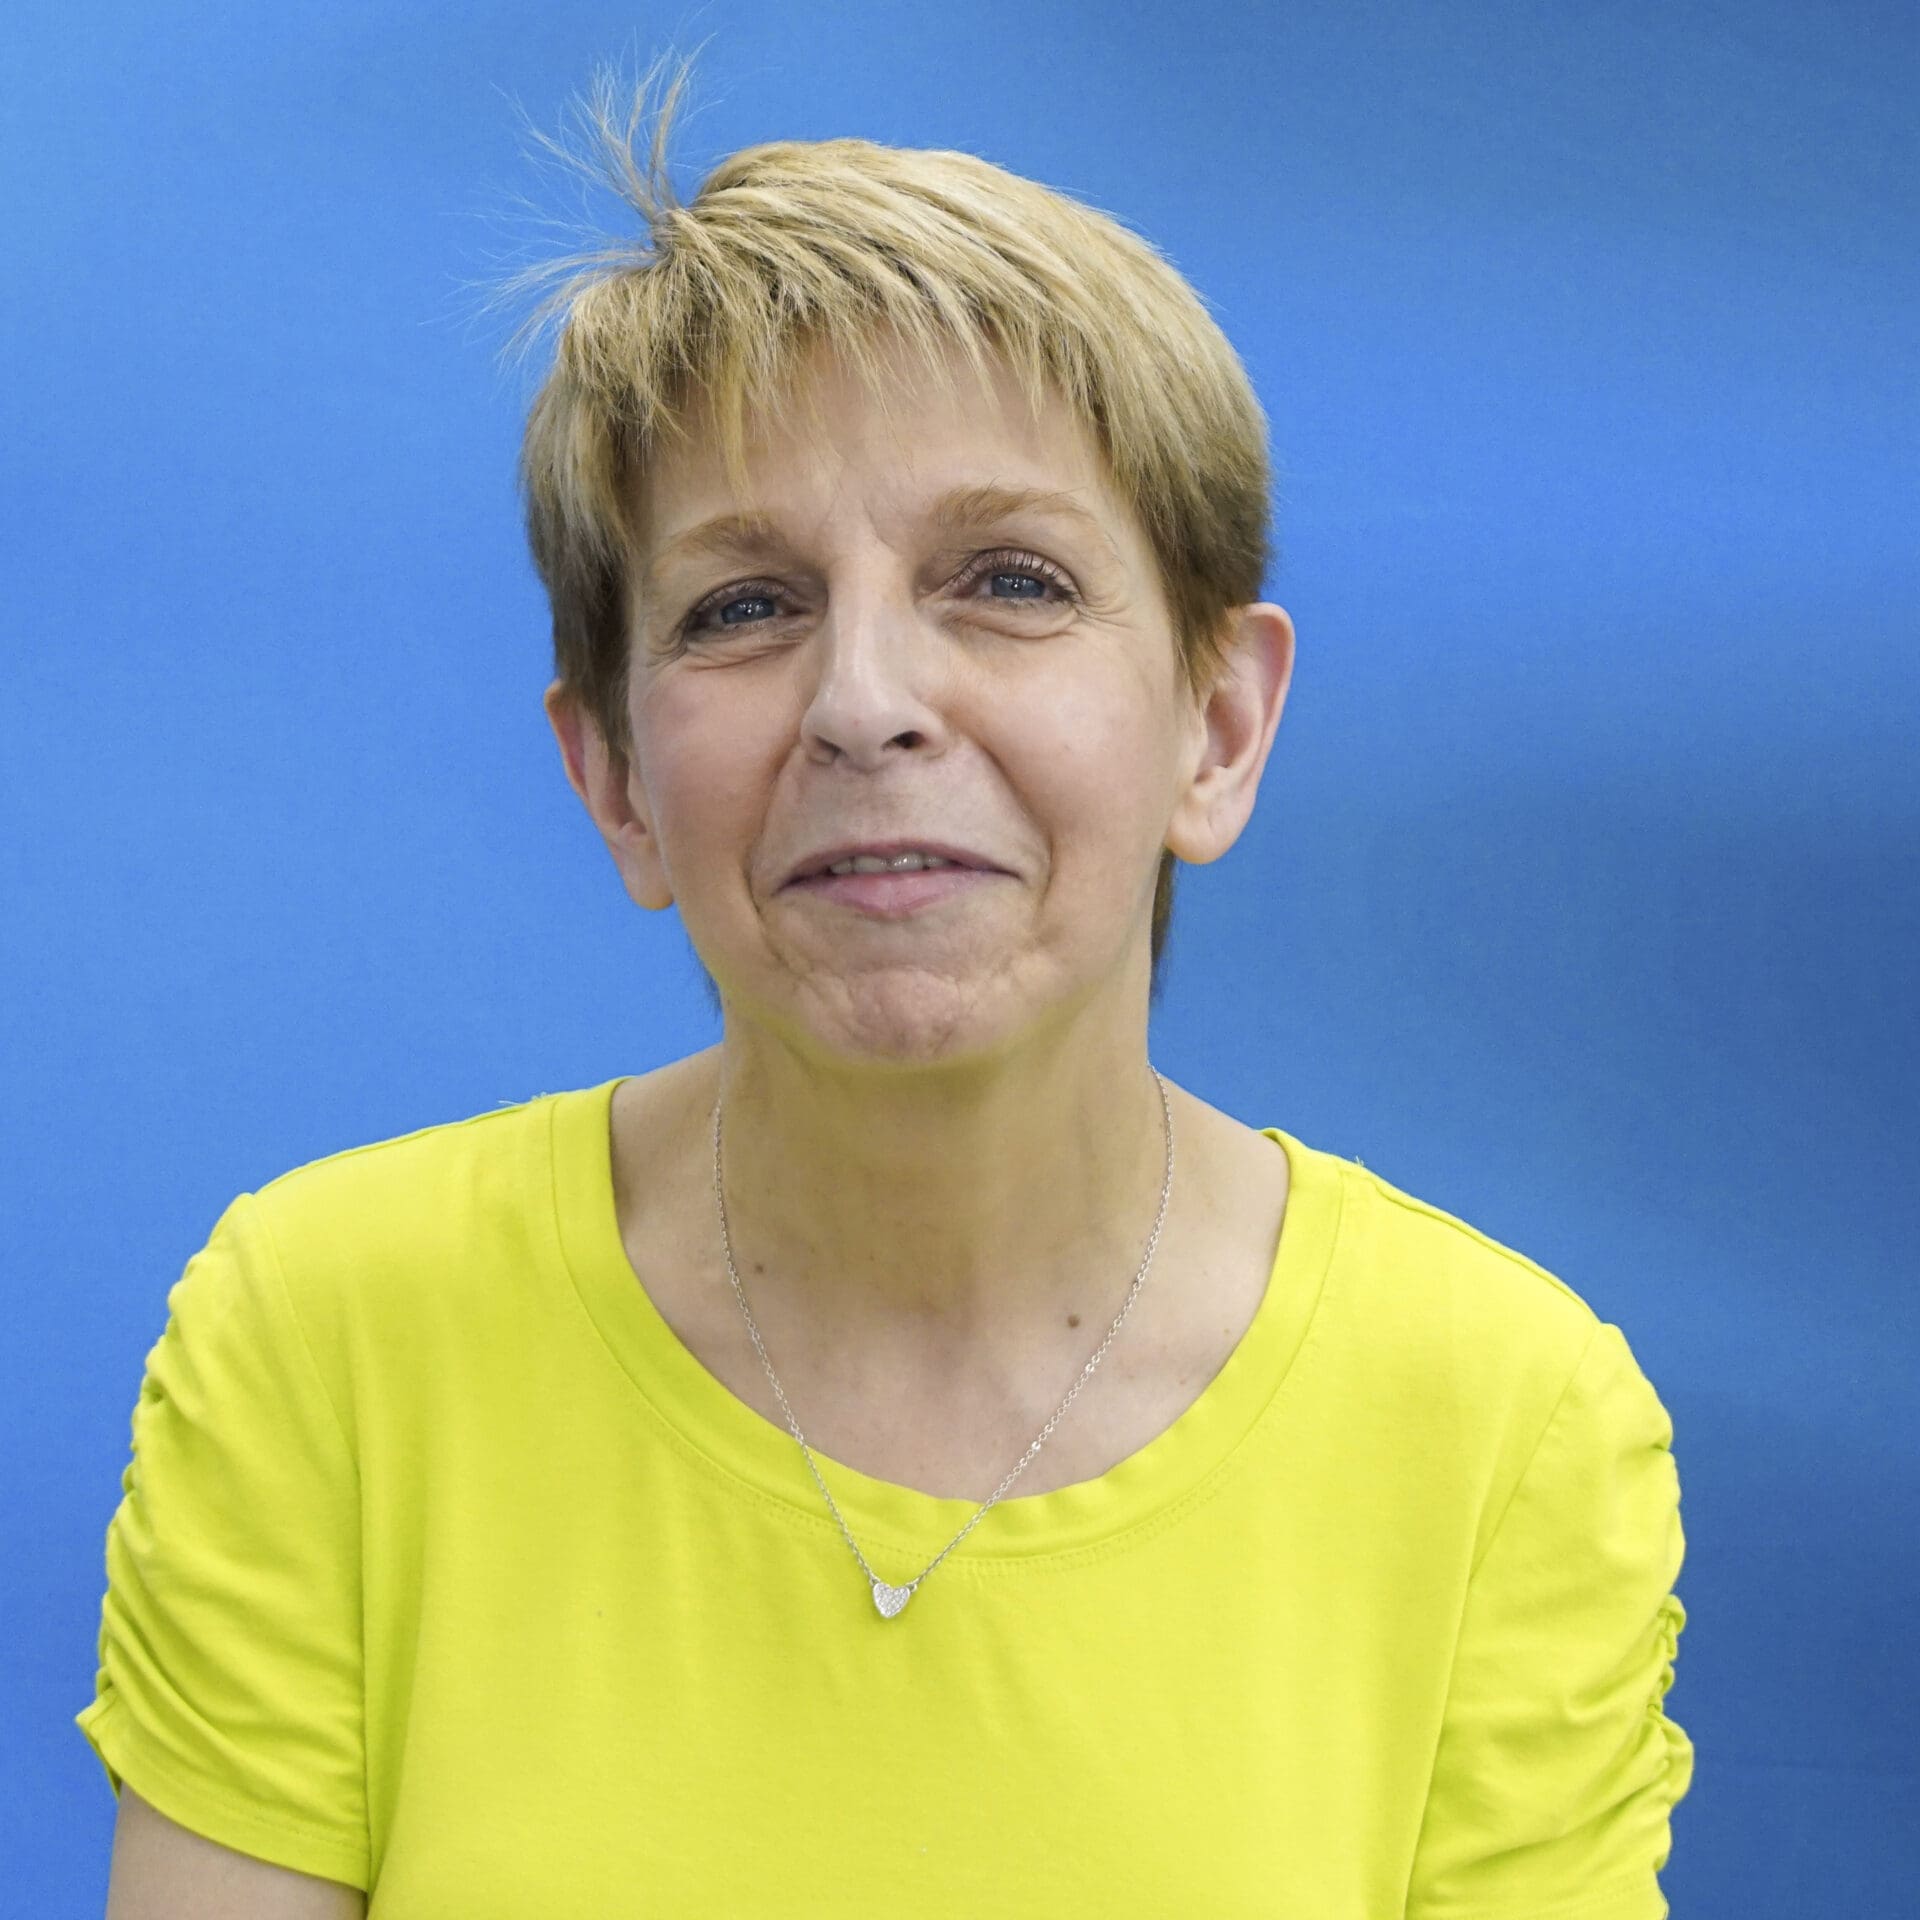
[901, 863]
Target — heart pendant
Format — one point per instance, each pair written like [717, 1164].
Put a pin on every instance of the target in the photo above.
[890, 1599]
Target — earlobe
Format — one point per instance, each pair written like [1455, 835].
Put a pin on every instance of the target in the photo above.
[589, 766]
[1236, 727]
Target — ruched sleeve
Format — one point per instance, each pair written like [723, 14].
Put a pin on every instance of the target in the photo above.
[1557, 1767]
[229, 1689]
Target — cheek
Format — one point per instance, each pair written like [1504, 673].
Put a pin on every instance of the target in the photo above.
[705, 785]
[1093, 758]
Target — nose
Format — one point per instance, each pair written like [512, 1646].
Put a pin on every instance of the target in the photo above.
[877, 673]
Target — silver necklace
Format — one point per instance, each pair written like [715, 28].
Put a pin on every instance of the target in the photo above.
[890, 1599]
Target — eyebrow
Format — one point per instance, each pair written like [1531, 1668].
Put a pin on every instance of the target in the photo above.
[744, 535]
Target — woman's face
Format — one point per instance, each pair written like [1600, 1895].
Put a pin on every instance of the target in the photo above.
[1004, 683]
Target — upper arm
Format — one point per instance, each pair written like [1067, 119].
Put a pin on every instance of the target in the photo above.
[161, 1869]
[229, 1684]
[1558, 1768]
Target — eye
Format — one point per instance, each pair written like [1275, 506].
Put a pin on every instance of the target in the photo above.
[1007, 564]
[1022, 566]
[724, 600]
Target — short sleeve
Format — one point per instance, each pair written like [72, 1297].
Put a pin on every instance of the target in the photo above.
[229, 1690]
[1557, 1767]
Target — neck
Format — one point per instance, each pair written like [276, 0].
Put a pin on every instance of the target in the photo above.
[970, 1208]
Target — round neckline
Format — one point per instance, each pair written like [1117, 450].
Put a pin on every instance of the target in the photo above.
[725, 1433]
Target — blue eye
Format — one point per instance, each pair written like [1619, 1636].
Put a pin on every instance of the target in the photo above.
[746, 599]
[1021, 566]
[991, 566]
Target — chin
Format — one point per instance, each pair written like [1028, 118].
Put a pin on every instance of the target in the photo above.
[908, 1017]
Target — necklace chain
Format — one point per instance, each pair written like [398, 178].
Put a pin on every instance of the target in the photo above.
[891, 1600]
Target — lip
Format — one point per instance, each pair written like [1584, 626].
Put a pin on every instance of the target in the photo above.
[815, 863]
[893, 896]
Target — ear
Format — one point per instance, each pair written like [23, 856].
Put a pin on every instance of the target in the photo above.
[1234, 732]
[612, 795]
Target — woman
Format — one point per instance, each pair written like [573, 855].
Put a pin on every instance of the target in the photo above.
[910, 1453]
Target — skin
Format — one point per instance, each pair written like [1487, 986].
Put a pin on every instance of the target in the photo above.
[161, 1870]
[970, 1083]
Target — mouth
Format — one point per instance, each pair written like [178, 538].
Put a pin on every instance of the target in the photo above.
[817, 865]
[893, 896]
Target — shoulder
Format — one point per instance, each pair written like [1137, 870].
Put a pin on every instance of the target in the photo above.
[1463, 1339]
[1487, 1287]
[387, 1173]
[433, 1235]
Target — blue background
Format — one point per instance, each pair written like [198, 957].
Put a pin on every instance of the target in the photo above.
[1581, 897]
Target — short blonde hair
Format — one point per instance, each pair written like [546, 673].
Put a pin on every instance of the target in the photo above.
[793, 241]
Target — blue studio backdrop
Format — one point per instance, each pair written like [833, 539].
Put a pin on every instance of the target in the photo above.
[1580, 899]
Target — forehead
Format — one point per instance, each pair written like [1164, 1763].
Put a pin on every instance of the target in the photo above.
[951, 456]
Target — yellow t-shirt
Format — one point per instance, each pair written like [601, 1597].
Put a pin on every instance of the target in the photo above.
[443, 1568]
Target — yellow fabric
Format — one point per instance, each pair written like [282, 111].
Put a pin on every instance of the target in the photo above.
[444, 1569]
